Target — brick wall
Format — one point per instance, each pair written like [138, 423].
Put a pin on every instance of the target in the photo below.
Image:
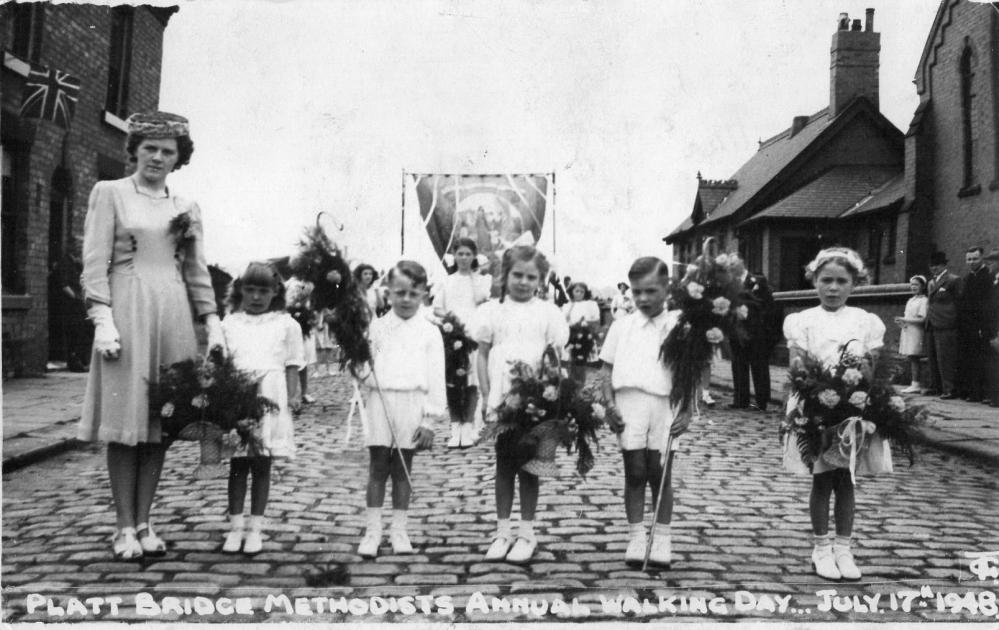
[77, 40]
[957, 221]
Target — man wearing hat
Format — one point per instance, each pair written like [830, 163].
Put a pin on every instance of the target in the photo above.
[972, 322]
[992, 330]
[941, 328]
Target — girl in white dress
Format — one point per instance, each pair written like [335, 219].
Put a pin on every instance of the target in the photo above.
[461, 293]
[821, 332]
[264, 340]
[583, 316]
[910, 342]
[517, 327]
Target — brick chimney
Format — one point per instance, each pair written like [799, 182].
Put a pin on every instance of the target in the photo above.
[855, 63]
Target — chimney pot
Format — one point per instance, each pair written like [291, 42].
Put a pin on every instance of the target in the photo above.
[844, 22]
[856, 25]
[869, 26]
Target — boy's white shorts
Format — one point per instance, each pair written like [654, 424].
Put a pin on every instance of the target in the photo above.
[647, 420]
[405, 409]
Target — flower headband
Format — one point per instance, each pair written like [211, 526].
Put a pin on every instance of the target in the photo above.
[826, 256]
[155, 125]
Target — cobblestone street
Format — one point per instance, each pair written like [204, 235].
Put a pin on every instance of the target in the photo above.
[741, 538]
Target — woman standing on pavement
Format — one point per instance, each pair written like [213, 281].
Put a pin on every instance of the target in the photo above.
[143, 271]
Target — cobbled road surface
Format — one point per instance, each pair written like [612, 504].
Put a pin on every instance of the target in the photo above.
[741, 539]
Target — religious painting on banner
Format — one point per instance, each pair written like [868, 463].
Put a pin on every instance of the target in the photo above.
[495, 211]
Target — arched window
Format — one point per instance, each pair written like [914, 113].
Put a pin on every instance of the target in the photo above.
[967, 72]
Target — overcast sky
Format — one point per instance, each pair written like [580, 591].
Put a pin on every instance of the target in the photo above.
[308, 105]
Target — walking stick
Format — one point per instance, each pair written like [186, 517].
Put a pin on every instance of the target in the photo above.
[658, 502]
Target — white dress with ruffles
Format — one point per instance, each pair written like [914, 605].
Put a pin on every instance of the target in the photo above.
[822, 333]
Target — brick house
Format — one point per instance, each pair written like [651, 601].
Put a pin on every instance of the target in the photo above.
[861, 183]
[48, 172]
[952, 145]
[834, 176]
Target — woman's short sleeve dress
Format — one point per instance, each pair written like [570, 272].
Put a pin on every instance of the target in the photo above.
[822, 333]
[265, 345]
[154, 283]
[910, 342]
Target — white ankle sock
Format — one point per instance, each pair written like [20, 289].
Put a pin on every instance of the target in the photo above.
[236, 521]
[503, 528]
[399, 520]
[374, 519]
[526, 529]
[842, 541]
[256, 523]
[823, 540]
[661, 529]
[636, 529]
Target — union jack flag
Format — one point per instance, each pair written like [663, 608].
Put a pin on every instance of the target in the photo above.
[50, 95]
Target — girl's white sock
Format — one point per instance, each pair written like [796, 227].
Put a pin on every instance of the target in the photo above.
[399, 519]
[822, 540]
[526, 529]
[636, 529]
[842, 541]
[661, 529]
[503, 528]
[256, 523]
[374, 520]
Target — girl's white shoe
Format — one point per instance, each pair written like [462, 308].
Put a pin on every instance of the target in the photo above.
[915, 388]
[455, 440]
[234, 539]
[469, 436]
[844, 563]
[522, 550]
[661, 553]
[499, 549]
[825, 563]
[254, 541]
[369, 544]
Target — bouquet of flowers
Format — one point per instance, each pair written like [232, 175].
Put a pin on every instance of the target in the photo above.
[181, 228]
[839, 405]
[321, 262]
[545, 409]
[458, 347]
[302, 313]
[707, 298]
[204, 400]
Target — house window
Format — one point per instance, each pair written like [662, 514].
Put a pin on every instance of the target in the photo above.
[967, 72]
[12, 214]
[28, 20]
[120, 61]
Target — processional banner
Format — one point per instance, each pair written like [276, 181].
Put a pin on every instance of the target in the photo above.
[495, 211]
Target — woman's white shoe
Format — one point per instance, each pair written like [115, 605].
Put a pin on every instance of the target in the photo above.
[125, 545]
[152, 545]
[522, 550]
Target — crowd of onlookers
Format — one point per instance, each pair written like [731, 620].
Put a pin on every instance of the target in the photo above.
[953, 322]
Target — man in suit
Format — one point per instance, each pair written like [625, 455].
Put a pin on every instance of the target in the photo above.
[753, 337]
[972, 322]
[941, 328]
[992, 331]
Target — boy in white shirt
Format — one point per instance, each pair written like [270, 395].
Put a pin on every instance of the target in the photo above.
[404, 396]
[638, 384]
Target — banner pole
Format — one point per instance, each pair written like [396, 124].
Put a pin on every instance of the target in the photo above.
[554, 222]
[402, 224]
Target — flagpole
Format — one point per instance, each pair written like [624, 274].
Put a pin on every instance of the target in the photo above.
[402, 223]
[553, 213]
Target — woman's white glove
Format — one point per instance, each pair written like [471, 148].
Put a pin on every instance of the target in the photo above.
[213, 325]
[107, 341]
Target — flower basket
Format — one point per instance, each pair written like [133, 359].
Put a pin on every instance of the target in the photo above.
[458, 348]
[542, 410]
[202, 400]
[548, 436]
[211, 466]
